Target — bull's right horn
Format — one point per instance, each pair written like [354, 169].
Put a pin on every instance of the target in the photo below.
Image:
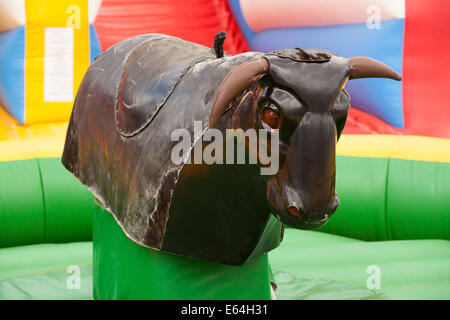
[365, 67]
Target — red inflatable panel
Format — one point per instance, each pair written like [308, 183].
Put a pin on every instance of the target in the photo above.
[426, 75]
[426, 68]
[360, 122]
[192, 20]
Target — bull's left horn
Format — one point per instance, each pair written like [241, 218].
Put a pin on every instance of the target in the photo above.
[237, 80]
[365, 67]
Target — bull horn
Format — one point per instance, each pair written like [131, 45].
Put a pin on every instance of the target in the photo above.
[237, 80]
[364, 67]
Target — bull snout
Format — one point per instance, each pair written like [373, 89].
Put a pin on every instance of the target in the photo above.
[298, 217]
[303, 192]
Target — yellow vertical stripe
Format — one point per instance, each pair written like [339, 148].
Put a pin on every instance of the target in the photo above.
[41, 14]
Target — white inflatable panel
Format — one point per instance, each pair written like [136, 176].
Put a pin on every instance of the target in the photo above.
[94, 6]
[270, 14]
[12, 14]
[58, 64]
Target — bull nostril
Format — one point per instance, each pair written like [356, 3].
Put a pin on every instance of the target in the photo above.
[294, 211]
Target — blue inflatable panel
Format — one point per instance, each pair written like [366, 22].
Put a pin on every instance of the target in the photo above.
[379, 97]
[237, 13]
[12, 82]
[95, 49]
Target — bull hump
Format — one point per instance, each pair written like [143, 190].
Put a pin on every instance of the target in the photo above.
[150, 74]
[316, 80]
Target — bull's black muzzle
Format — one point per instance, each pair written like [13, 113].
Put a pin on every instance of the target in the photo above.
[303, 192]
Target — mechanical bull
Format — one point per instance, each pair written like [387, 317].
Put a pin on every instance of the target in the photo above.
[139, 91]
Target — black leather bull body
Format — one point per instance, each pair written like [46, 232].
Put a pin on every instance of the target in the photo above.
[139, 91]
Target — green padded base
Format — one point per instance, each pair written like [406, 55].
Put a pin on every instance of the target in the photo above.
[124, 270]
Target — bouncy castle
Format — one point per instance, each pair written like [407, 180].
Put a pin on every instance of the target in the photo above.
[388, 239]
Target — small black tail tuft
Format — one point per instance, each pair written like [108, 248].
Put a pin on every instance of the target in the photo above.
[219, 39]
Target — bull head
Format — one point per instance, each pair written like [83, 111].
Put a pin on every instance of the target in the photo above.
[301, 95]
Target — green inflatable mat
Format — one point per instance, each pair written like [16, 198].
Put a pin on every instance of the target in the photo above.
[43, 278]
[406, 269]
[46, 271]
[308, 265]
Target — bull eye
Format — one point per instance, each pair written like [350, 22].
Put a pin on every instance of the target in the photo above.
[271, 117]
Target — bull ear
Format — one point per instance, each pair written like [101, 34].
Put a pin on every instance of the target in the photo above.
[235, 82]
[365, 67]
